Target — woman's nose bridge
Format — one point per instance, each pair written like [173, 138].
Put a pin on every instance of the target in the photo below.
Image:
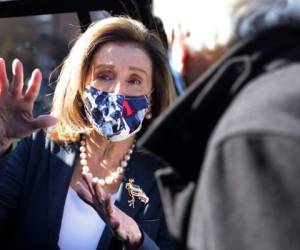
[117, 86]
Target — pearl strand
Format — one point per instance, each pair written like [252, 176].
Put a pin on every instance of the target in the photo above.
[110, 178]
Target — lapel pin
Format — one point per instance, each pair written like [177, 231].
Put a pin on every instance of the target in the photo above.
[134, 192]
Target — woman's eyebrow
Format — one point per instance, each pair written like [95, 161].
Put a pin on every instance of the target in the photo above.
[138, 69]
[107, 66]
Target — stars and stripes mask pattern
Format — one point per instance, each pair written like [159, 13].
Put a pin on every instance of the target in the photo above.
[115, 116]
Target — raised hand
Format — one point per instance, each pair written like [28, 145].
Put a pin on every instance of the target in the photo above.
[122, 225]
[16, 120]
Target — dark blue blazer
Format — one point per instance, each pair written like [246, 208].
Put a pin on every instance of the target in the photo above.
[34, 181]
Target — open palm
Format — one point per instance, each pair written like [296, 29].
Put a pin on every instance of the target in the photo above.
[16, 120]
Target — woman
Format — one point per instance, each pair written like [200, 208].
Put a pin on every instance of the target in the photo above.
[115, 75]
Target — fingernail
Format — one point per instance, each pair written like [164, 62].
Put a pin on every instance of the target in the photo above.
[14, 64]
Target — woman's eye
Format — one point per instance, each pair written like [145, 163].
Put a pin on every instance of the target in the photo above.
[105, 76]
[135, 81]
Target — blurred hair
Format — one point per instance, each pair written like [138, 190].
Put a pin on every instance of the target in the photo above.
[253, 16]
[67, 101]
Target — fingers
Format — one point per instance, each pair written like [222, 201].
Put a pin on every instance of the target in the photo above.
[17, 83]
[99, 192]
[83, 193]
[43, 121]
[3, 77]
[102, 200]
[18, 78]
[88, 181]
[34, 85]
[108, 205]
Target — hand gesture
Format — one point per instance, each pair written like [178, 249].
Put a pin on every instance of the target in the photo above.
[16, 106]
[122, 226]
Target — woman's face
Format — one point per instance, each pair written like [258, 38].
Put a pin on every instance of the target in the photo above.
[121, 68]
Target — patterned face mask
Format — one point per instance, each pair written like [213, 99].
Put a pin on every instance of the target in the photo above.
[114, 116]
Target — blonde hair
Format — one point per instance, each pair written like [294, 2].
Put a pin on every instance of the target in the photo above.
[67, 103]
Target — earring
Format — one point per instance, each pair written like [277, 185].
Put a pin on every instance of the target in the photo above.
[148, 116]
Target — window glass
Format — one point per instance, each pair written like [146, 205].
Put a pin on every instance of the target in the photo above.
[39, 42]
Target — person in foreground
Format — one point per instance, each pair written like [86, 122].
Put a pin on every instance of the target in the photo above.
[233, 141]
[81, 184]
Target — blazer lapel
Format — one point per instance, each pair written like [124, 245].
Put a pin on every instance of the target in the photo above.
[61, 166]
[144, 177]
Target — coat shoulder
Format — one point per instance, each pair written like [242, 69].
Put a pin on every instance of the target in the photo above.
[268, 104]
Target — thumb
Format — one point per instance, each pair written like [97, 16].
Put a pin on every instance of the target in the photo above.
[108, 205]
[43, 121]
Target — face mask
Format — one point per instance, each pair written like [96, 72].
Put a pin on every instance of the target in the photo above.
[114, 116]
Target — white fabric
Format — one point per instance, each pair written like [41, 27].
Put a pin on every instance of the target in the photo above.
[81, 226]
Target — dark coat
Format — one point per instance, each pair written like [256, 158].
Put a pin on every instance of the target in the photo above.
[232, 144]
[33, 188]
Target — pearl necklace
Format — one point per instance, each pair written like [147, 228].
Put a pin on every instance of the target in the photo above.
[110, 178]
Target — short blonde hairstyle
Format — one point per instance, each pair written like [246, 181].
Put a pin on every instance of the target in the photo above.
[67, 101]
